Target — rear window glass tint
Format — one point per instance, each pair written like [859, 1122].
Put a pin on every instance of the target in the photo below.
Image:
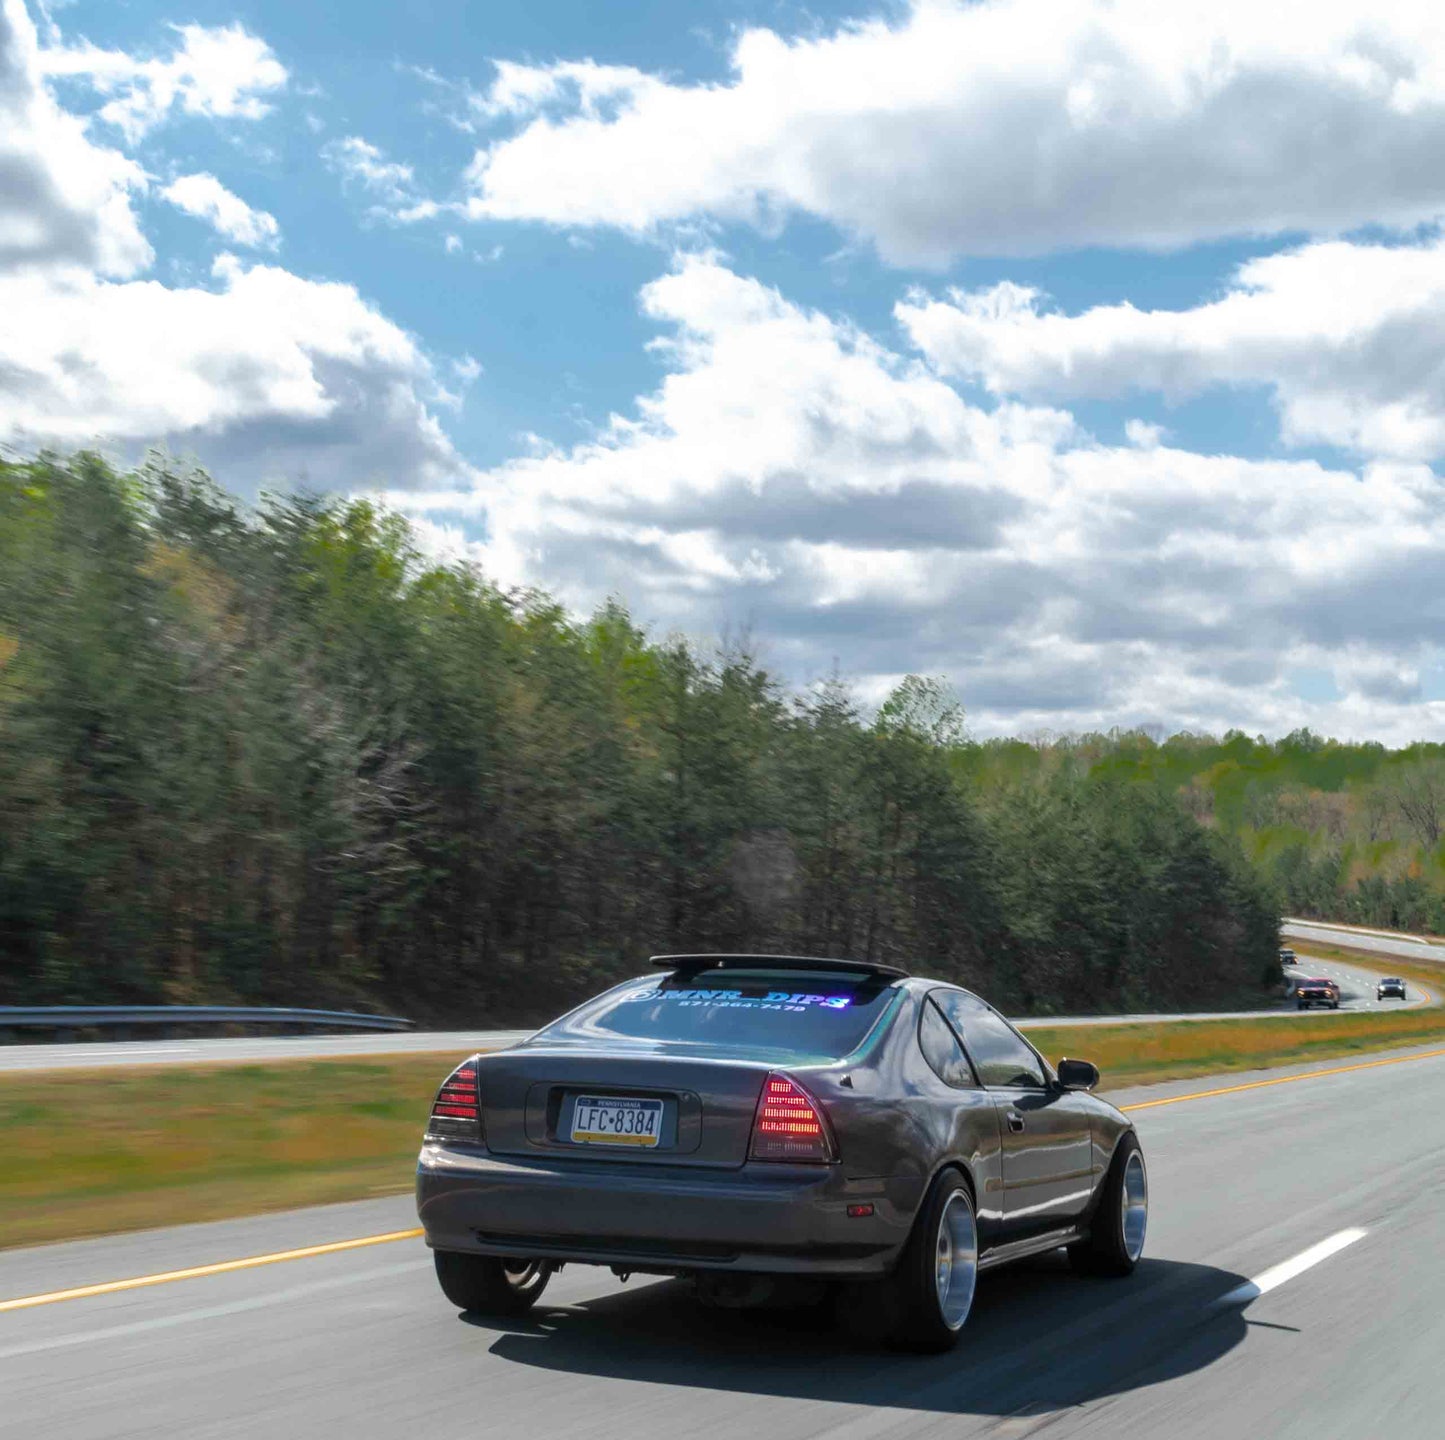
[821, 1016]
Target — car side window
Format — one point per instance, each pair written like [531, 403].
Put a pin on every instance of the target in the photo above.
[942, 1051]
[1001, 1055]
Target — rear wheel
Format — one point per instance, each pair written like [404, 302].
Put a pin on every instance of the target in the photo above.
[1116, 1238]
[489, 1285]
[927, 1299]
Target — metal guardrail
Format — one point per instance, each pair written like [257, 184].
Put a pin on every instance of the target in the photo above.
[84, 1017]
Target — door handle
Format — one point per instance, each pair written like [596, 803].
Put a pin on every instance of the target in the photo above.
[1015, 1121]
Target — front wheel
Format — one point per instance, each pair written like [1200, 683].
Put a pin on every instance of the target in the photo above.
[488, 1285]
[1116, 1237]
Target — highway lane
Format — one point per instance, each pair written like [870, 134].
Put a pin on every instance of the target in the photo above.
[1379, 942]
[1358, 993]
[1357, 986]
[231, 1050]
[361, 1342]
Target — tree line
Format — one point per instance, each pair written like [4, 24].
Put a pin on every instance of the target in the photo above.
[275, 754]
[1349, 831]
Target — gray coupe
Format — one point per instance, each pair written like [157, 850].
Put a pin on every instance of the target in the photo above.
[775, 1128]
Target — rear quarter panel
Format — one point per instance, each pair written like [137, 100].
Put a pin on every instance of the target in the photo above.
[899, 1123]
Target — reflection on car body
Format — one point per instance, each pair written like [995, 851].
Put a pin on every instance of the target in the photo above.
[775, 1127]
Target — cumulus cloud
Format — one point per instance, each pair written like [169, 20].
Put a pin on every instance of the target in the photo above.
[1345, 336]
[222, 73]
[63, 199]
[1002, 126]
[268, 377]
[792, 473]
[360, 161]
[265, 375]
[228, 215]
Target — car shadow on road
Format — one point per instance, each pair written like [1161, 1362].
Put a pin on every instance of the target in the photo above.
[1039, 1339]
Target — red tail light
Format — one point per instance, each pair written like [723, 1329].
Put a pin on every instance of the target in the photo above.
[456, 1113]
[789, 1125]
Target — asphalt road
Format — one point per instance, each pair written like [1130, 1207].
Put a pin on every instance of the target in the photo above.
[1357, 993]
[264, 1047]
[1357, 987]
[361, 1343]
[1384, 943]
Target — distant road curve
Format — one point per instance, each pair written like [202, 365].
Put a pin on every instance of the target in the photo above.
[1378, 942]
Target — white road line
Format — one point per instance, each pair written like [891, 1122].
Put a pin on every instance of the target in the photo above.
[1276, 1275]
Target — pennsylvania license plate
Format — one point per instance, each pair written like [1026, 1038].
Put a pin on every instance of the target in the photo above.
[616, 1120]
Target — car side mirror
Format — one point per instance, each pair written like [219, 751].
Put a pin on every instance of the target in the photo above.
[1078, 1074]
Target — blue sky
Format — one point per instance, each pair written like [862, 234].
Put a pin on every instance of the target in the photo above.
[553, 318]
[1085, 356]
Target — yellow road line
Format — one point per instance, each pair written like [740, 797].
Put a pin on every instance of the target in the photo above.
[112, 1287]
[1281, 1080]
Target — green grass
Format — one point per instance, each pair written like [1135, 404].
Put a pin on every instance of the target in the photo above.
[1146, 1054]
[94, 1153]
[90, 1153]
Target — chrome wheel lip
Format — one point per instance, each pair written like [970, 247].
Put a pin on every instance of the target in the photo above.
[955, 1266]
[1134, 1205]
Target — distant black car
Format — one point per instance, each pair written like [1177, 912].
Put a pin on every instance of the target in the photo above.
[1392, 986]
[1319, 990]
[1287, 956]
[774, 1128]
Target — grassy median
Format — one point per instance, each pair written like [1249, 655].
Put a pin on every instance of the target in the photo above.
[91, 1153]
[95, 1152]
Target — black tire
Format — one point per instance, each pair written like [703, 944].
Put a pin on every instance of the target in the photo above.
[906, 1309]
[1334, 1005]
[926, 1322]
[1302, 1006]
[487, 1285]
[1116, 1234]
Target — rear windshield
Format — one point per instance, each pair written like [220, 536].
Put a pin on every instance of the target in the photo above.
[817, 1016]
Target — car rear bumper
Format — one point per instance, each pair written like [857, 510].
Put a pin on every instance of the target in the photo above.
[773, 1219]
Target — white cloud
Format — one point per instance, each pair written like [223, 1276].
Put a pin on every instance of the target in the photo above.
[792, 474]
[1345, 336]
[265, 375]
[1145, 434]
[268, 378]
[454, 244]
[63, 200]
[222, 73]
[359, 160]
[1003, 126]
[207, 199]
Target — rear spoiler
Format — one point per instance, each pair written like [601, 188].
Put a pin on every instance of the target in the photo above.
[695, 964]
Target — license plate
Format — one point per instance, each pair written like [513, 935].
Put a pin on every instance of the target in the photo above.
[616, 1120]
